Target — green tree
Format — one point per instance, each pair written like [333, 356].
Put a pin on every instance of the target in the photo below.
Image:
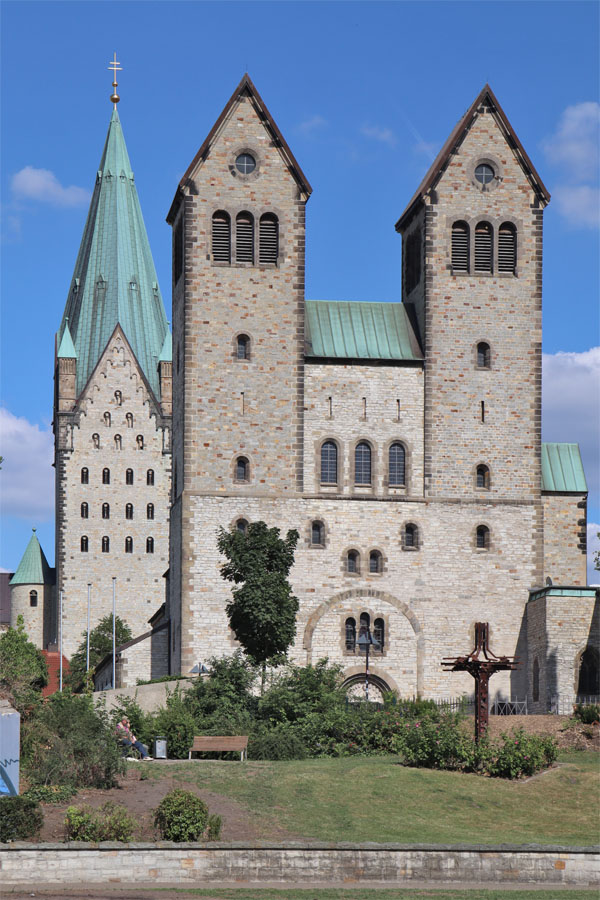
[262, 611]
[100, 645]
[23, 669]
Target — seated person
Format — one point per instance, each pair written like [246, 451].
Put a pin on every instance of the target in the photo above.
[127, 738]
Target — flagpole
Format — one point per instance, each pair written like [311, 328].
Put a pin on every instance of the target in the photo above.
[114, 667]
[87, 653]
[60, 642]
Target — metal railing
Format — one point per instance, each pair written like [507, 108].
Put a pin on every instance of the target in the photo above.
[561, 705]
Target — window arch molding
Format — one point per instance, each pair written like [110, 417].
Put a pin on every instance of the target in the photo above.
[235, 346]
[355, 458]
[236, 468]
[325, 463]
[411, 536]
[377, 563]
[314, 539]
[482, 357]
[387, 448]
[482, 537]
[352, 562]
[482, 472]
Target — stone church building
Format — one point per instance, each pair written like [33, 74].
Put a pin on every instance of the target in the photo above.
[402, 440]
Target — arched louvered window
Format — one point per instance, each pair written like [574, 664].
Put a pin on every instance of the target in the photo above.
[242, 526]
[483, 247]
[85, 510]
[536, 680]
[105, 476]
[362, 463]
[353, 562]
[243, 346]
[410, 537]
[150, 545]
[33, 598]
[317, 534]
[129, 510]
[397, 464]
[84, 543]
[244, 238]
[482, 477]
[379, 633]
[150, 511]
[106, 511]
[105, 544]
[268, 239]
[221, 237]
[150, 477]
[350, 626]
[484, 355]
[507, 248]
[242, 469]
[129, 476]
[329, 463]
[482, 537]
[128, 545]
[375, 562]
[460, 247]
[85, 476]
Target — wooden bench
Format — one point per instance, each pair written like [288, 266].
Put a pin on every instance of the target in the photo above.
[220, 743]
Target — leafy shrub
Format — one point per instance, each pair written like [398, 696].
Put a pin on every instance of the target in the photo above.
[50, 793]
[177, 724]
[213, 829]
[521, 754]
[181, 816]
[20, 818]
[23, 669]
[436, 744]
[226, 694]
[302, 690]
[276, 743]
[587, 714]
[110, 823]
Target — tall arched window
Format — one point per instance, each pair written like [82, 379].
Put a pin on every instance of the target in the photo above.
[268, 239]
[350, 627]
[85, 476]
[362, 463]
[536, 681]
[483, 247]
[329, 467]
[96, 441]
[140, 441]
[105, 544]
[507, 248]
[242, 469]
[105, 476]
[84, 543]
[221, 237]
[150, 545]
[107, 419]
[410, 537]
[129, 419]
[244, 238]
[129, 476]
[106, 511]
[317, 534]
[33, 598]
[379, 632]
[150, 477]
[482, 537]
[397, 465]
[364, 622]
[118, 442]
[588, 684]
[118, 398]
[150, 511]
[460, 247]
[353, 562]
[483, 355]
[85, 510]
[243, 346]
[242, 526]
[129, 510]
[482, 477]
[128, 545]
[375, 562]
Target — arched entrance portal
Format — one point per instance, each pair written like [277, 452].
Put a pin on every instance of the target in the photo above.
[354, 686]
[588, 682]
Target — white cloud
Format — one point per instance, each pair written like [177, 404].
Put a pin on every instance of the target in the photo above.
[571, 405]
[383, 135]
[593, 547]
[579, 204]
[43, 185]
[574, 150]
[27, 476]
[312, 125]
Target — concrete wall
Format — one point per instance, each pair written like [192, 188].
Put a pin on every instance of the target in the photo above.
[149, 696]
[307, 864]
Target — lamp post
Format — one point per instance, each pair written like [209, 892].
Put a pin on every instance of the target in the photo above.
[365, 642]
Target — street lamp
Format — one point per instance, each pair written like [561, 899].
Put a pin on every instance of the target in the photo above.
[365, 642]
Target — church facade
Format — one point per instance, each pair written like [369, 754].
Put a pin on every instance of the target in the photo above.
[402, 440]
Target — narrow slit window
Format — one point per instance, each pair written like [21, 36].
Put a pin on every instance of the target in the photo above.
[106, 511]
[507, 248]
[129, 419]
[118, 442]
[96, 441]
[460, 247]
[106, 544]
[129, 511]
[350, 628]
[379, 633]
[84, 544]
[107, 419]
[221, 237]
[483, 248]
[268, 239]
[85, 476]
[150, 511]
[105, 476]
[150, 545]
[150, 477]
[317, 534]
[129, 476]
[33, 598]
[128, 545]
[85, 510]
[244, 238]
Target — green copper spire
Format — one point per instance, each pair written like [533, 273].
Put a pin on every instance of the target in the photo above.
[67, 348]
[114, 282]
[33, 568]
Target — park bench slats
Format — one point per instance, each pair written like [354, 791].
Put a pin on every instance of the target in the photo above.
[220, 744]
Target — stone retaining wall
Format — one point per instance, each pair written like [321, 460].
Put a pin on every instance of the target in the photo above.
[30, 864]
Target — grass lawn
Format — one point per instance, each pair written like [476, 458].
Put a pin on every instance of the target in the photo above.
[375, 799]
[384, 894]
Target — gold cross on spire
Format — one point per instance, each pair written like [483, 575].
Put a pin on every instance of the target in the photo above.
[116, 67]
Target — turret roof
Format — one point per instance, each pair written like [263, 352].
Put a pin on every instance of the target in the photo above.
[115, 281]
[67, 348]
[33, 568]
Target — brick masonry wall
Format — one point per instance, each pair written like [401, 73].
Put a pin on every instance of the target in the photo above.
[312, 864]
[140, 588]
[565, 538]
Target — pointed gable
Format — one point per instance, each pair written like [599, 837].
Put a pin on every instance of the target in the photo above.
[244, 88]
[67, 348]
[33, 568]
[486, 96]
[115, 282]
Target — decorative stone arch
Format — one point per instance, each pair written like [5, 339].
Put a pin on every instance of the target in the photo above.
[384, 596]
[382, 680]
[590, 649]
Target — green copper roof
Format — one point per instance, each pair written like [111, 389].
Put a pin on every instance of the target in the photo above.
[67, 348]
[114, 281]
[166, 354]
[33, 568]
[343, 330]
[562, 469]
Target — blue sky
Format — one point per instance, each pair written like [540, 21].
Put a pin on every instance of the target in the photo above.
[365, 94]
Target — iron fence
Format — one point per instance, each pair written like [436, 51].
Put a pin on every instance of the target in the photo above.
[561, 705]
